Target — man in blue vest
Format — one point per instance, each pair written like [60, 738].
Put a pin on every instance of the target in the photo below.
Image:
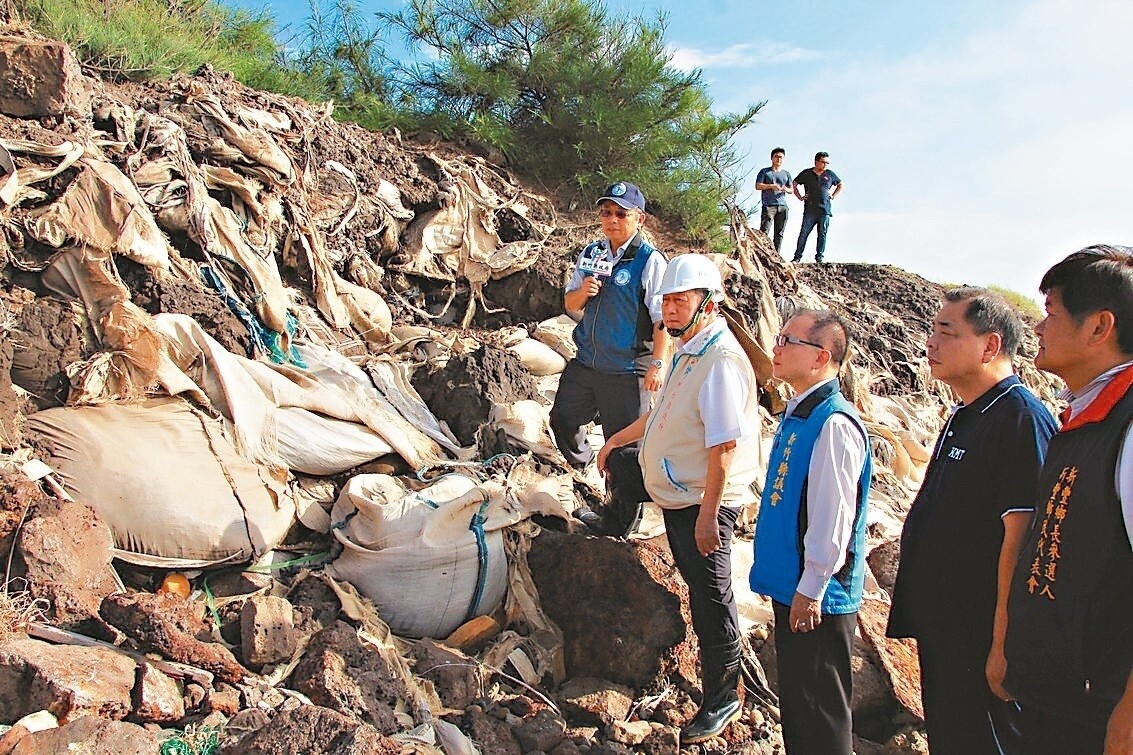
[978, 496]
[810, 535]
[614, 295]
[1070, 614]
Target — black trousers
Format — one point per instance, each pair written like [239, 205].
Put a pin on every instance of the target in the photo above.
[709, 580]
[815, 683]
[1048, 733]
[962, 715]
[585, 395]
[773, 215]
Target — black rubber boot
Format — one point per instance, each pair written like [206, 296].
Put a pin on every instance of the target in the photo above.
[623, 509]
[721, 705]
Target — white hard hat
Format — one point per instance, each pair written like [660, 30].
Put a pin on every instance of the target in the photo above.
[690, 272]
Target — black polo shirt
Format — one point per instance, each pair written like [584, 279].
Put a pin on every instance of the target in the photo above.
[986, 464]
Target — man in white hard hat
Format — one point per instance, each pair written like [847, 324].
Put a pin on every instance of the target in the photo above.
[698, 457]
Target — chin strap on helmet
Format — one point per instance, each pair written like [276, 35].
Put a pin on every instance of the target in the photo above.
[678, 332]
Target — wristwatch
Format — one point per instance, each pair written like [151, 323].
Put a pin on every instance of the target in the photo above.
[657, 363]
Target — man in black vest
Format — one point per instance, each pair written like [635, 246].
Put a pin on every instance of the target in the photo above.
[1069, 641]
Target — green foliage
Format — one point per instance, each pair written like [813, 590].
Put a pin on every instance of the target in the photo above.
[575, 98]
[1022, 303]
[153, 39]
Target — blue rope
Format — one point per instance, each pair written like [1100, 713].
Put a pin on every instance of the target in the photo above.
[264, 339]
[477, 528]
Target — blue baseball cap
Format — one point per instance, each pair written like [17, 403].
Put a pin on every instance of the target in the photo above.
[624, 195]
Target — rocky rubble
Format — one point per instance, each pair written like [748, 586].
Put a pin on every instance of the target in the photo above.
[347, 294]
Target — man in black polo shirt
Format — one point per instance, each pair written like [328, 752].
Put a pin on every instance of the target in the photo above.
[963, 531]
[1070, 629]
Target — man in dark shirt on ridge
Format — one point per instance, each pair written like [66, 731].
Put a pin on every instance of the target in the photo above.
[821, 185]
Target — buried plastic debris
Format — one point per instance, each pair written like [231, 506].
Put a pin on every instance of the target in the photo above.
[193, 741]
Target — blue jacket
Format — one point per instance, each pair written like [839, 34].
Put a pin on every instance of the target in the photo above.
[616, 323]
[782, 522]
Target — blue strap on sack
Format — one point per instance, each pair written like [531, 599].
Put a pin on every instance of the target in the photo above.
[477, 528]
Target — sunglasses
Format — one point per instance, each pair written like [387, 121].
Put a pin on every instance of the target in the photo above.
[606, 212]
[782, 340]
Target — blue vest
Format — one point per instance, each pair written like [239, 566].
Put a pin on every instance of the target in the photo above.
[782, 522]
[616, 323]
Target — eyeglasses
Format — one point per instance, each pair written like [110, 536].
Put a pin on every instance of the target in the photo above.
[783, 339]
[606, 212]
[823, 162]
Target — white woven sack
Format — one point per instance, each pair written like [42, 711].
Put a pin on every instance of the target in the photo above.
[319, 445]
[165, 479]
[538, 358]
[418, 555]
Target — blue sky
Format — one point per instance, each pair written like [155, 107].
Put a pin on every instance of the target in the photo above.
[979, 141]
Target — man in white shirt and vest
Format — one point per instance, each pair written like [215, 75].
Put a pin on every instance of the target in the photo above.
[698, 457]
[810, 535]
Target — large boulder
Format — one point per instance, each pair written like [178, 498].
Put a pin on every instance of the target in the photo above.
[622, 607]
[64, 550]
[70, 682]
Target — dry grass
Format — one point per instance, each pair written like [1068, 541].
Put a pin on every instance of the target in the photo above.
[18, 609]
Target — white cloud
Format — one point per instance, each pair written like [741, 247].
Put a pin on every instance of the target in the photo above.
[747, 55]
[983, 158]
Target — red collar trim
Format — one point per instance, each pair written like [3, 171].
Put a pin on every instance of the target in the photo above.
[1100, 407]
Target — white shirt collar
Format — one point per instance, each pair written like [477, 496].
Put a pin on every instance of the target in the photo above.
[793, 403]
[1083, 398]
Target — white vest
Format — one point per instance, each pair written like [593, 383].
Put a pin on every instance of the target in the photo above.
[673, 458]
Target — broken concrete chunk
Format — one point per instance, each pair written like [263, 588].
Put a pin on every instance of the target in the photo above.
[633, 630]
[92, 735]
[64, 548]
[157, 698]
[458, 679]
[267, 630]
[492, 734]
[143, 617]
[314, 730]
[543, 732]
[41, 78]
[630, 732]
[68, 681]
[595, 701]
[339, 673]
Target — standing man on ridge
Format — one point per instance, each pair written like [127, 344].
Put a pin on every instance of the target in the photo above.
[699, 455]
[1070, 614]
[774, 182]
[820, 185]
[810, 535]
[614, 295]
[977, 495]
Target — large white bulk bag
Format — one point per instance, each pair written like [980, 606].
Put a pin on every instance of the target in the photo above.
[430, 559]
[538, 358]
[165, 479]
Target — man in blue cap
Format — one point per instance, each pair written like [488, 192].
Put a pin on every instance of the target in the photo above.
[613, 294]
